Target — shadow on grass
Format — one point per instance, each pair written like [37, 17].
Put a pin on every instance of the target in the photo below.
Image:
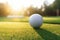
[52, 23]
[46, 35]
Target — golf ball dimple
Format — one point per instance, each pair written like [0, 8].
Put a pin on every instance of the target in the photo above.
[36, 20]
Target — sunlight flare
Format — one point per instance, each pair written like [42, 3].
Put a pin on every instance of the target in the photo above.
[17, 5]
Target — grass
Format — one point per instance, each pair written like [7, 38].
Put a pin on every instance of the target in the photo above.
[23, 31]
[25, 19]
[20, 29]
[52, 20]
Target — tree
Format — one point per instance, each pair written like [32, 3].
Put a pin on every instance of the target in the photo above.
[50, 10]
[30, 10]
[57, 6]
[40, 11]
[4, 11]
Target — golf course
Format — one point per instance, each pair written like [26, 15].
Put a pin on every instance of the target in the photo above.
[20, 29]
[29, 19]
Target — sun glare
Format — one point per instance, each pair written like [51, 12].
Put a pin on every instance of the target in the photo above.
[14, 4]
[20, 4]
[17, 5]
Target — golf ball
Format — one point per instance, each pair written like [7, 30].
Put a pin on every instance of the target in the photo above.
[36, 20]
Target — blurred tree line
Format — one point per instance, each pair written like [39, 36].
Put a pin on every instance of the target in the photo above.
[46, 10]
[4, 10]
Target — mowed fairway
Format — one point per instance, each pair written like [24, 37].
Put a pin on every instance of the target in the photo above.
[23, 31]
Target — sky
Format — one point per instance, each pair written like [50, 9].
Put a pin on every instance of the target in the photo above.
[18, 4]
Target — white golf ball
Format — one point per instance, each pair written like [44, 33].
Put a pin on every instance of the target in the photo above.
[36, 20]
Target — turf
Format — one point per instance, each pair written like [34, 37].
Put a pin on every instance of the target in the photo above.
[19, 29]
[51, 20]
[23, 31]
